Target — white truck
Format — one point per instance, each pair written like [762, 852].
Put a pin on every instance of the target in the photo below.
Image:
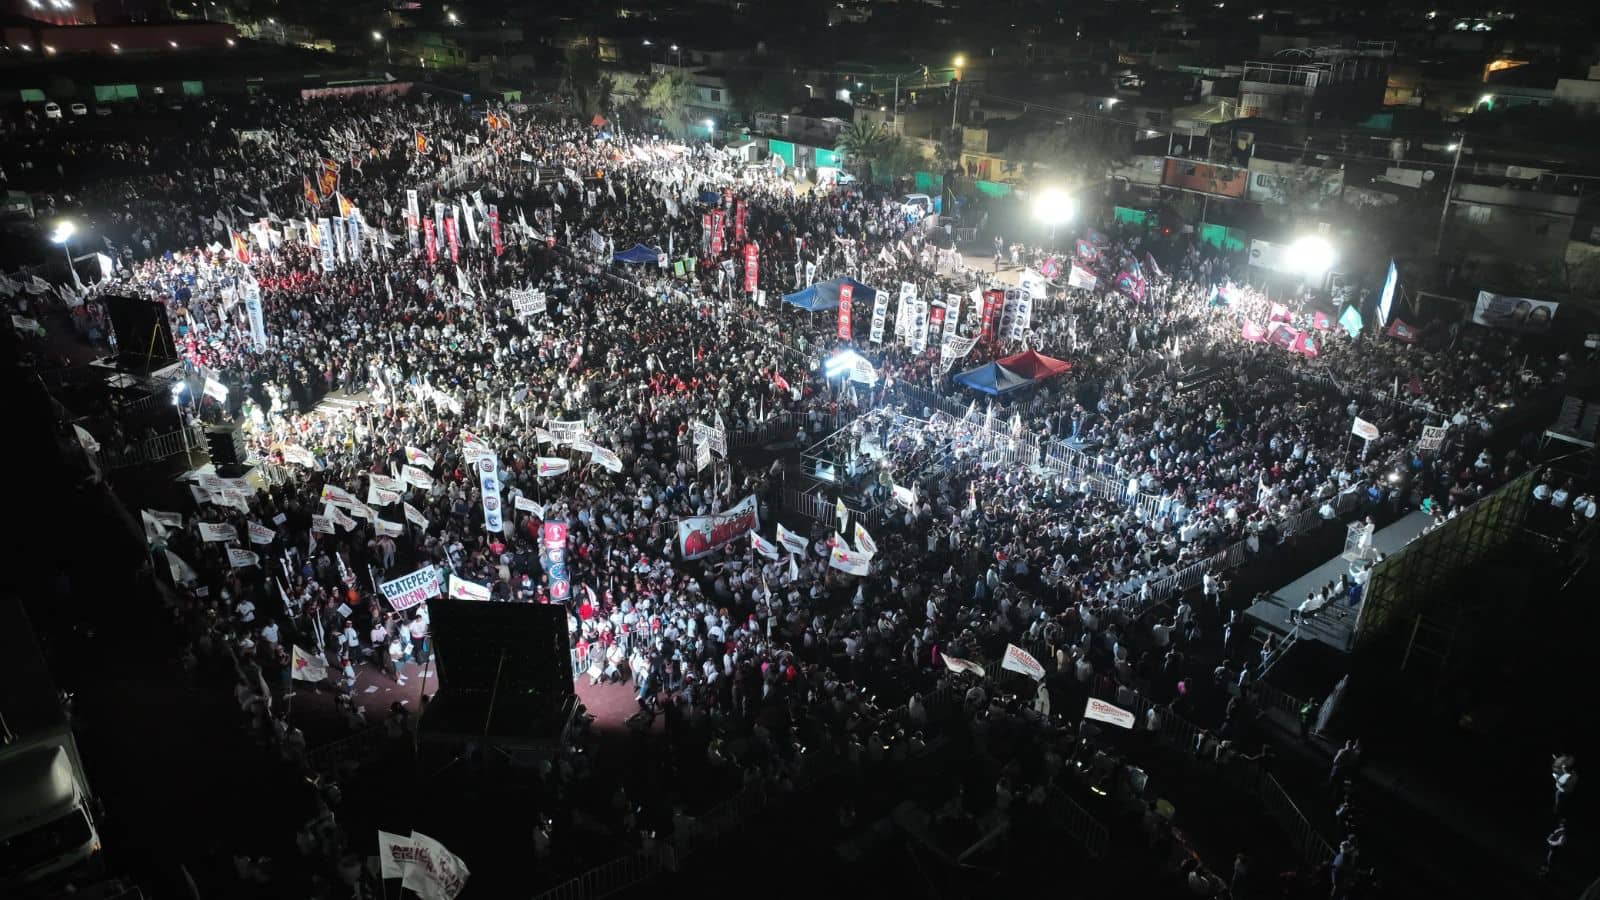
[48, 837]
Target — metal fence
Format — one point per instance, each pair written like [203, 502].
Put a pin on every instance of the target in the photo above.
[151, 450]
[614, 877]
[330, 757]
[818, 506]
[1084, 828]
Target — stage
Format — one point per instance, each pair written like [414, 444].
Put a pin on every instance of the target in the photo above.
[1336, 622]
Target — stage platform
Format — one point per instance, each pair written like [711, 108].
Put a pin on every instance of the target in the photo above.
[1334, 625]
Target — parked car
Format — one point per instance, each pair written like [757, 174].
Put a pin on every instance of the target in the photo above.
[102, 110]
[52, 110]
[78, 109]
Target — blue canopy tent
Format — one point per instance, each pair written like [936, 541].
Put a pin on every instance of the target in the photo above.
[638, 253]
[825, 295]
[993, 379]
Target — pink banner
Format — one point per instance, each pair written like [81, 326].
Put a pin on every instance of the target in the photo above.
[845, 328]
[1252, 333]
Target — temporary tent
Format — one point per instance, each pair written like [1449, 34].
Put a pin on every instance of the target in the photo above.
[638, 253]
[993, 379]
[825, 295]
[1037, 366]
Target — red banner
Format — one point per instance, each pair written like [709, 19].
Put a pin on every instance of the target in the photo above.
[705, 234]
[450, 236]
[752, 262]
[494, 230]
[936, 323]
[431, 242]
[716, 233]
[846, 290]
[738, 221]
[992, 301]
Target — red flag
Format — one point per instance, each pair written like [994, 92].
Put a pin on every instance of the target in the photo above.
[1278, 313]
[780, 381]
[494, 230]
[992, 301]
[846, 291]
[310, 192]
[1320, 321]
[241, 247]
[1305, 344]
[1252, 332]
[450, 237]
[422, 144]
[1414, 386]
[1399, 330]
[752, 257]
[716, 232]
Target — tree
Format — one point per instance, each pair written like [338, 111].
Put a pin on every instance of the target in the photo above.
[862, 142]
[898, 157]
[1081, 150]
[763, 83]
[667, 96]
[582, 80]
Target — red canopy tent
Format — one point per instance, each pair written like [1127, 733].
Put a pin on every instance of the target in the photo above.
[1034, 365]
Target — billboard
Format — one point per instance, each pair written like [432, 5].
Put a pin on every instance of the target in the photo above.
[1205, 178]
[1386, 296]
[1513, 313]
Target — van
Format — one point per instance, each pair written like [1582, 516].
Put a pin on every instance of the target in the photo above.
[916, 204]
[79, 109]
[52, 110]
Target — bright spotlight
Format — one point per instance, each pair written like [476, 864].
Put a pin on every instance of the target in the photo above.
[1311, 255]
[63, 233]
[1052, 207]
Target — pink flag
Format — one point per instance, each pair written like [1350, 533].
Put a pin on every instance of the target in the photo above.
[1281, 335]
[1320, 321]
[1252, 333]
[1399, 330]
[1305, 344]
[1279, 313]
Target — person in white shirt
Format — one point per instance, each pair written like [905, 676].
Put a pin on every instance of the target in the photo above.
[246, 611]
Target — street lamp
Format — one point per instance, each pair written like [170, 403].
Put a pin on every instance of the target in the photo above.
[1312, 256]
[63, 236]
[711, 128]
[1450, 189]
[955, 100]
[377, 38]
[1053, 207]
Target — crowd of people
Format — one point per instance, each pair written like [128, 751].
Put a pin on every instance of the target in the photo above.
[759, 662]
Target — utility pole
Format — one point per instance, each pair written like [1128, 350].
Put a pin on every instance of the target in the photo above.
[1444, 211]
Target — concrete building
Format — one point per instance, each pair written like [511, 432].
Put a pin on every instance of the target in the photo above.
[1309, 85]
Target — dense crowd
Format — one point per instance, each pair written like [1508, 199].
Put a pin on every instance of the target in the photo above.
[784, 656]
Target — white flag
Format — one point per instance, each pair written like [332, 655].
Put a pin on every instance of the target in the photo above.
[461, 589]
[182, 572]
[762, 546]
[212, 533]
[237, 558]
[414, 516]
[792, 542]
[1363, 429]
[1020, 660]
[307, 667]
[416, 477]
[436, 873]
[864, 542]
[261, 534]
[377, 496]
[551, 466]
[527, 504]
[1102, 711]
[606, 458]
[957, 664]
[849, 561]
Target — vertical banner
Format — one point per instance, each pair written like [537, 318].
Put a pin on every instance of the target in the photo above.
[952, 317]
[438, 220]
[992, 301]
[325, 232]
[431, 241]
[738, 221]
[450, 236]
[340, 232]
[1022, 316]
[880, 314]
[488, 466]
[903, 310]
[494, 230]
[553, 556]
[252, 307]
[716, 232]
[355, 235]
[413, 217]
[752, 262]
[846, 291]
[705, 234]
[936, 316]
[919, 326]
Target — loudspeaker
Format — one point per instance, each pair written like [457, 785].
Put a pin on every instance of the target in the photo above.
[143, 332]
[226, 443]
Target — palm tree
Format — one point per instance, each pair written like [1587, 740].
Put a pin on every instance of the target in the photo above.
[862, 143]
